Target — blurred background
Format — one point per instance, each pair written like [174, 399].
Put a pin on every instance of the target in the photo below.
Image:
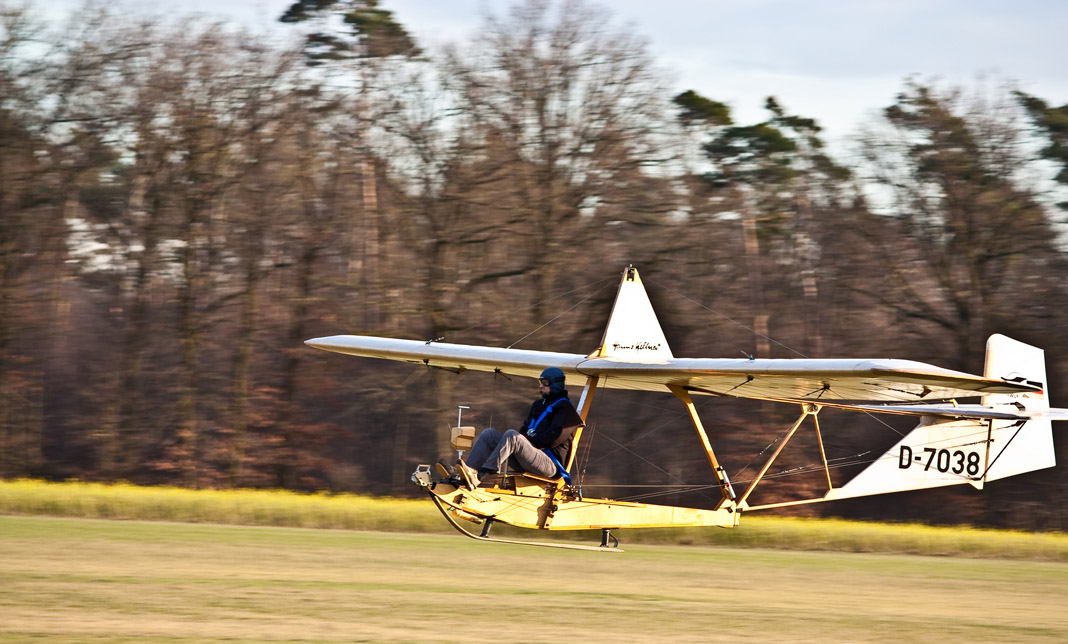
[185, 199]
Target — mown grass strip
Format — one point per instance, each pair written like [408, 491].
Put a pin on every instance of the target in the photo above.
[119, 582]
[355, 512]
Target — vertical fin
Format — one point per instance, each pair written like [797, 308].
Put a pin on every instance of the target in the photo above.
[633, 331]
[1015, 449]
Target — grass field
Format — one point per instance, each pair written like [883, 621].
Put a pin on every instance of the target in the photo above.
[79, 580]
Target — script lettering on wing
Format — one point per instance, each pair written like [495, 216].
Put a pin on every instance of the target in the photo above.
[640, 346]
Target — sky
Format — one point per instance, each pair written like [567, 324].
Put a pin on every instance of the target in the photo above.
[838, 61]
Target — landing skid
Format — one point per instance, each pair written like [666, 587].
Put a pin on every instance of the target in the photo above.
[608, 542]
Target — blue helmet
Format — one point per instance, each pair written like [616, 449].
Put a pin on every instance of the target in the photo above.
[556, 379]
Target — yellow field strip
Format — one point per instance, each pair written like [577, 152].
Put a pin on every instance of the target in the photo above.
[354, 512]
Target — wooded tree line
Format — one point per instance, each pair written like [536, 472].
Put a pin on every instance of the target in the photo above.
[183, 203]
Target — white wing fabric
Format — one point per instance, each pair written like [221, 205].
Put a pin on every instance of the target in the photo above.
[876, 380]
[634, 354]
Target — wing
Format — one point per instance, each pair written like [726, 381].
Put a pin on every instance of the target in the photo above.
[634, 354]
[878, 380]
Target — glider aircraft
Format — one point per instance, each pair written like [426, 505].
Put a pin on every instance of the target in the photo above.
[1008, 432]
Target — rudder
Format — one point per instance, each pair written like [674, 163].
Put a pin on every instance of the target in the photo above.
[1017, 447]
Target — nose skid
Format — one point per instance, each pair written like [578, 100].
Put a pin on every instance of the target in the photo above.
[421, 476]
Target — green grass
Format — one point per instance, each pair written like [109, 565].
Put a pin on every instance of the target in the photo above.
[352, 512]
[79, 580]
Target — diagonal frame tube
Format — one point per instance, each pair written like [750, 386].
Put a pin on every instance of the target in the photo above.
[721, 475]
[806, 411]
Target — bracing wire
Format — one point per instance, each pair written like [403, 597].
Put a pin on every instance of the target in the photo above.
[564, 312]
[437, 396]
[601, 283]
[670, 488]
[729, 319]
[766, 337]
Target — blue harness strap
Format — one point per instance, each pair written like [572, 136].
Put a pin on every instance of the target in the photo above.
[560, 471]
[537, 421]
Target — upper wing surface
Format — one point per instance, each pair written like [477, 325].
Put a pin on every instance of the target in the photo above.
[880, 380]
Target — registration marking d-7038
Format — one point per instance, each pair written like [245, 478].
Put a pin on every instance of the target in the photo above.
[943, 460]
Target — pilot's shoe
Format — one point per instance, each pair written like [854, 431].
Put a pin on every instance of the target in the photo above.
[468, 474]
[446, 472]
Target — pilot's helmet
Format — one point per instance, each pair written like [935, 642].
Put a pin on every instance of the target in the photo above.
[554, 377]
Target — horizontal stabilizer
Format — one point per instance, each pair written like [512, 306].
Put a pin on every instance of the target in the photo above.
[984, 412]
[1008, 434]
[934, 454]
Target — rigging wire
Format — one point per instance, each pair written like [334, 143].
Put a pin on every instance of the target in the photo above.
[885, 424]
[642, 458]
[584, 455]
[729, 319]
[587, 447]
[678, 486]
[437, 397]
[665, 490]
[601, 283]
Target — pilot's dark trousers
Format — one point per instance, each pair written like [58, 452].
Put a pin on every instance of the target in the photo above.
[497, 451]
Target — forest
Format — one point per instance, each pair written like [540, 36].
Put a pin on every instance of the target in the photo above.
[183, 202]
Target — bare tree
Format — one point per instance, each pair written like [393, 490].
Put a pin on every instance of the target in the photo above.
[955, 229]
[570, 108]
[20, 171]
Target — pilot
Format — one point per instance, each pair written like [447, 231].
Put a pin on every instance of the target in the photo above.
[541, 447]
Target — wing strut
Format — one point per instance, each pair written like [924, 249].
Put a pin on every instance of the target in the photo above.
[583, 409]
[823, 452]
[725, 486]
